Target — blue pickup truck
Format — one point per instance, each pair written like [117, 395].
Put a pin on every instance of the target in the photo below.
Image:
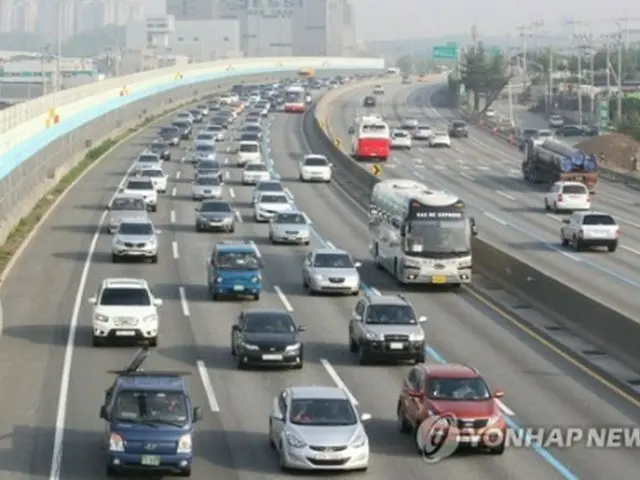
[235, 268]
[149, 422]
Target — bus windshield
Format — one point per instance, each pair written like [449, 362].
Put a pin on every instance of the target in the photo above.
[293, 97]
[374, 128]
[436, 236]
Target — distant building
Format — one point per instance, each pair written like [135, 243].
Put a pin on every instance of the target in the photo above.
[24, 15]
[192, 9]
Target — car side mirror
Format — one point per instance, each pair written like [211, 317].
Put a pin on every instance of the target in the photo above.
[422, 319]
[565, 220]
[197, 414]
[92, 300]
[357, 264]
[197, 209]
[302, 328]
[278, 417]
[330, 165]
[157, 302]
[158, 232]
[415, 394]
[121, 189]
[108, 207]
[235, 328]
[365, 417]
[498, 394]
[357, 317]
[104, 414]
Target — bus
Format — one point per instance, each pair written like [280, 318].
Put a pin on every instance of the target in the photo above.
[420, 235]
[371, 138]
[294, 99]
[306, 73]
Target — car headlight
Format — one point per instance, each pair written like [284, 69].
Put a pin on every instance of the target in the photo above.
[153, 241]
[116, 443]
[248, 346]
[295, 441]
[374, 336]
[100, 318]
[185, 444]
[256, 279]
[416, 337]
[359, 441]
[294, 347]
[150, 318]
[493, 420]
[219, 280]
[318, 278]
[411, 263]
[118, 243]
[464, 263]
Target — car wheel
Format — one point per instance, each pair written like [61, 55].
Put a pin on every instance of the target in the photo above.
[215, 297]
[256, 297]
[564, 242]
[419, 359]
[232, 229]
[403, 425]
[299, 365]
[353, 346]
[115, 259]
[154, 208]
[153, 342]
[546, 205]
[98, 341]
[498, 449]
[240, 363]
[111, 472]
[577, 244]
[154, 259]
[233, 350]
[185, 472]
[612, 247]
[363, 358]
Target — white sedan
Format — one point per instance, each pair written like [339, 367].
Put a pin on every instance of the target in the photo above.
[315, 168]
[254, 173]
[157, 177]
[269, 204]
[440, 138]
[401, 139]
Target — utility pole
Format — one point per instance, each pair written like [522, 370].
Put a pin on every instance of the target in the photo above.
[580, 86]
[550, 82]
[58, 80]
[619, 112]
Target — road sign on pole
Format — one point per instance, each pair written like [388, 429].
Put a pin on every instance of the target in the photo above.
[603, 113]
[442, 52]
[376, 170]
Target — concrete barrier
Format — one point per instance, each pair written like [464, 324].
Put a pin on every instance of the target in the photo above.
[50, 141]
[596, 322]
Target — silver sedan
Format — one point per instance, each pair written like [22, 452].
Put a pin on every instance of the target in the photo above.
[329, 270]
[206, 186]
[289, 227]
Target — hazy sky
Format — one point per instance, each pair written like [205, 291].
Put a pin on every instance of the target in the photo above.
[386, 20]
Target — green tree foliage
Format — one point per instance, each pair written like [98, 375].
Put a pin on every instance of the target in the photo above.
[414, 64]
[95, 42]
[483, 74]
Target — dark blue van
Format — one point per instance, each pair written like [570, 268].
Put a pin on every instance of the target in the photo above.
[149, 422]
[235, 268]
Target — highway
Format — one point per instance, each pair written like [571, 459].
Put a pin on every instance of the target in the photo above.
[510, 213]
[67, 259]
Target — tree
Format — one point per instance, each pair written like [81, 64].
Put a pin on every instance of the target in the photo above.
[483, 74]
[93, 43]
[405, 64]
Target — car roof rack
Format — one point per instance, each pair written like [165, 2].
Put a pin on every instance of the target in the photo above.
[134, 368]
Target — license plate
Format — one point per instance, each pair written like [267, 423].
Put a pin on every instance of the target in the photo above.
[150, 460]
[469, 438]
[439, 279]
[396, 346]
[271, 356]
[238, 288]
[327, 456]
[125, 333]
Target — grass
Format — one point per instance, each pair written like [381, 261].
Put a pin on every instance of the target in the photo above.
[29, 222]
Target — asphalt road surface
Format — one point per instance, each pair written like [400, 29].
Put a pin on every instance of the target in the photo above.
[47, 292]
[510, 213]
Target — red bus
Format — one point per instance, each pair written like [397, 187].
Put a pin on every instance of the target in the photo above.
[371, 139]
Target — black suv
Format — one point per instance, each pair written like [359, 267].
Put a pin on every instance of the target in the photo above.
[459, 130]
[369, 101]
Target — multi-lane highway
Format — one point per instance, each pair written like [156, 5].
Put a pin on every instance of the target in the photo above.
[45, 298]
[510, 212]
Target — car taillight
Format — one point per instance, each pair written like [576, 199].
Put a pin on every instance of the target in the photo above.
[618, 232]
[559, 198]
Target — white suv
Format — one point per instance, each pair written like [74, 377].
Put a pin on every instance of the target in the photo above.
[567, 196]
[590, 229]
[124, 309]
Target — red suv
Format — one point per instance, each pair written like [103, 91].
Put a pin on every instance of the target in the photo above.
[455, 398]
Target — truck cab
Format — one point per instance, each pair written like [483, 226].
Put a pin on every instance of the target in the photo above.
[235, 268]
[149, 421]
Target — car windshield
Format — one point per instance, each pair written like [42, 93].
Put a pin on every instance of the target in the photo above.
[252, 128]
[465, 389]
[273, 199]
[219, 207]
[332, 260]
[424, 127]
[205, 136]
[123, 296]
[127, 204]
[237, 261]
[598, 220]
[214, 128]
[127, 228]
[426, 237]
[290, 219]
[249, 137]
[390, 315]
[140, 185]
[529, 133]
[459, 124]
[167, 131]
[316, 162]
[181, 125]
[204, 148]
[159, 146]
[146, 406]
[256, 167]
[148, 159]
[269, 322]
[322, 412]
[400, 134]
[208, 165]
[249, 148]
[574, 189]
[152, 173]
[545, 133]
[209, 181]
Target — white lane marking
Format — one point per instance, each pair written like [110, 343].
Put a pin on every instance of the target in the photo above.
[208, 387]
[438, 166]
[331, 245]
[238, 216]
[227, 175]
[628, 222]
[629, 249]
[505, 195]
[232, 193]
[257, 250]
[183, 302]
[419, 175]
[337, 380]
[463, 167]
[460, 161]
[554, 217]
[514, 173]
[173, 192]
[178, 175]
[375, 291]
[174, 248]
[283, 298]
[483, 167]
[172, 216]
[468, 177]
[417, 160]
[506, 410]
[495, 218]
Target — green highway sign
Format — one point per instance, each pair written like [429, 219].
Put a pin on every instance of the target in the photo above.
[445, 52]
[603, 113]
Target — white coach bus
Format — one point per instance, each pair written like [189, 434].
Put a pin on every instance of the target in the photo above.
[420, 235]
